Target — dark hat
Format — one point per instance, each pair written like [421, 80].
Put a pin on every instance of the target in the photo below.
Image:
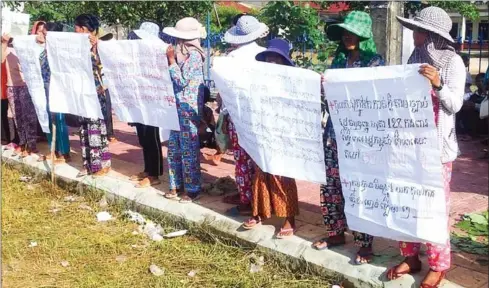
[277, 46]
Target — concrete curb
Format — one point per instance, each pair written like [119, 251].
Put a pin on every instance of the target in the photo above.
[366, 275]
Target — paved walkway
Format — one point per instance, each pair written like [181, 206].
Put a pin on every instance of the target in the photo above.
[469, 194]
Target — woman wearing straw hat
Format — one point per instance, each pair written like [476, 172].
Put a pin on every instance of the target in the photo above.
[148, 136]
[186, 63]
[445, 70]
[356, 49]
[242, 37]
[271, 193]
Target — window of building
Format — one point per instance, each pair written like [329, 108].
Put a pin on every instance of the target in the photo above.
[468, 31]
[454, 31]
[484, 30]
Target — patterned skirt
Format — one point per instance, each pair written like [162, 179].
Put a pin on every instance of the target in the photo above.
[94, 145]
[25, 116]
[274, 195]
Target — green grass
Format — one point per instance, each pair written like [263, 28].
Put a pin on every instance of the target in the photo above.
[91, 248]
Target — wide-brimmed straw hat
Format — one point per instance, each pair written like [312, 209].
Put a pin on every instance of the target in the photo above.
[148, 30]
[356, 22]
[246, 30]
[187, 29]
[104, 36]
[431, 19]
[277, 46]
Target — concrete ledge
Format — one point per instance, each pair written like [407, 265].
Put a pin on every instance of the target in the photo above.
[334, 261]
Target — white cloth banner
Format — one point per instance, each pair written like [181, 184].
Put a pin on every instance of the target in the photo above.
[136, 74]
[72, 86]
[389, 160]
[28, 52]
[276, 110]
[15, 24]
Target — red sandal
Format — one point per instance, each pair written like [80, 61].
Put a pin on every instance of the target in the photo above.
[442, 276]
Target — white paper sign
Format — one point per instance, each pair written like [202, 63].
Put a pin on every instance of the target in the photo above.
[28, 52]
[388, 153]
[276, 110]
[72, 87]
[16, 24]
[136, 73]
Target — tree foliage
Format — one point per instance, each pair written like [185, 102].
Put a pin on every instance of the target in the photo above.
[465, 8]
[129, 14]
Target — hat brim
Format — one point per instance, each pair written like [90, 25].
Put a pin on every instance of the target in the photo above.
[335, 32]
[411, 24]
[106, 37]
[232, 37]
[145, 35]
[190, 35]
[262, 56]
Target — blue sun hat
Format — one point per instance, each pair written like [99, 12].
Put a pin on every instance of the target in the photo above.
[277, 46]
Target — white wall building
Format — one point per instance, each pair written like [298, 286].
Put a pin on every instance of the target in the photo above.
[464, 29]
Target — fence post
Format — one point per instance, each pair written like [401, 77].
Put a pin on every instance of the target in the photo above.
[208, 44]
[387, 30]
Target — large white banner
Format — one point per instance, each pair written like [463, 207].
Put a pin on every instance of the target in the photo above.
[28, 52]
[72, 87]
[136, 73]
[276, 110]
[15, 24]
[389, 160]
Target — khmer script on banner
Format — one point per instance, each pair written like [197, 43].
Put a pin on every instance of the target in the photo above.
[28, 52]
[72, 86]
[389, 159]
[276, 111]
[136, 74]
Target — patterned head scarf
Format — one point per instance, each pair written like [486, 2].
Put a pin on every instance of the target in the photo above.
[360, 24]
[436, 51]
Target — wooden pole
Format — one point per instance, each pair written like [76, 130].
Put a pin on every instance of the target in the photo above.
[53, 149]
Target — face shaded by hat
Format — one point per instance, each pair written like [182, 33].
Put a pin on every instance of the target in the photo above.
[246, 30]
[432, 40]
[356, 33]
[277, 52]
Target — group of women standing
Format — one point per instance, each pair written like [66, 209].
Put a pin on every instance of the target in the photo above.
[262, 194]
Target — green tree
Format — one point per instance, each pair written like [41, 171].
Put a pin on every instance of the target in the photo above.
[465, 8]
[301, 26]
[129, 14]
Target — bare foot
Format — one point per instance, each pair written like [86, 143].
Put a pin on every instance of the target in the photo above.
[410, 265]
[364, 255]
[329, 242]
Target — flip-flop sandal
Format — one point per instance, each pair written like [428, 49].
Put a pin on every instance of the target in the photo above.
[188, 199]
[138, 177]
[366, 255]
[251, 223]
[173, 196]
[328, 245]
[442, 276]
[280, 235]
[393, 275]
[148, 183]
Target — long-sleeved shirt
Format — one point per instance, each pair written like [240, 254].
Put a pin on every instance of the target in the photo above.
[451, 99]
